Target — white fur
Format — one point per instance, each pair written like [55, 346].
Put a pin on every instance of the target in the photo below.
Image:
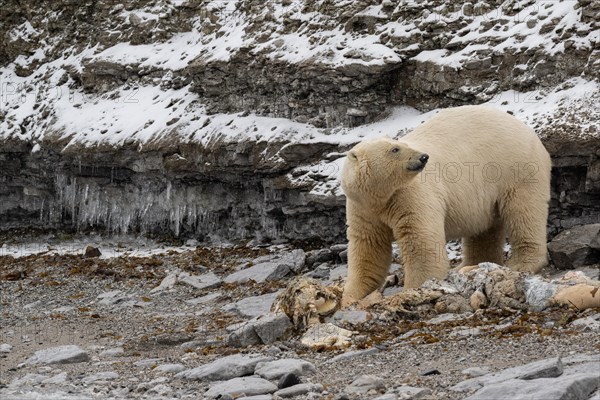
[488, 177]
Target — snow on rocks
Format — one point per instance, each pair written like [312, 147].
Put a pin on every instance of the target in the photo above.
[374, 41]
[180, 100]
[59, 355]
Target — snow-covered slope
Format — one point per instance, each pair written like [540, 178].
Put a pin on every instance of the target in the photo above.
[222, 89]
[114, 90]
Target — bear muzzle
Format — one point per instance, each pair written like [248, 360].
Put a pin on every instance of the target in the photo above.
[419, 165]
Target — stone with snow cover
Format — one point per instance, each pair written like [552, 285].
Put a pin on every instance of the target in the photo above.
[224, 368]
[327, 85]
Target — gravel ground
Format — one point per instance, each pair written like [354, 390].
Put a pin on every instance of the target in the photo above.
[108, 308]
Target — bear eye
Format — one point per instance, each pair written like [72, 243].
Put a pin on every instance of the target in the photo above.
[395, 150]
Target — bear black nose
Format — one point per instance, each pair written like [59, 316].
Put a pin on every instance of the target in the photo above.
[424, 158]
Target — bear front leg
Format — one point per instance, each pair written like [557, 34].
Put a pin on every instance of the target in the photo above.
[369, 257]
[423, 255]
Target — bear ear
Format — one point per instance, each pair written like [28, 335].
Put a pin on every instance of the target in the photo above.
[352, 155]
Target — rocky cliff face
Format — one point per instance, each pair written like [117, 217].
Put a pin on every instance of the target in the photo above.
[227, 119]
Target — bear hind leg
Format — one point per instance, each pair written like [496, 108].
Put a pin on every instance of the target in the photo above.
[525, 215]
[486, 247]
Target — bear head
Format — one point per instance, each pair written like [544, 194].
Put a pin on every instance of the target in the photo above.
[376, 168]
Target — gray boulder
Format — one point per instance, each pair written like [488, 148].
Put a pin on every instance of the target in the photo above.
[239, 387]
[548, 368]
[276, 369]
[253, 306]
[576, 247]
[266, 271]
[225, 368]
[573, 386]
[270, 268]
[299, 390]
[59, 355]
[366, 383]
[264, 329]
[411, 392]
[205, 281]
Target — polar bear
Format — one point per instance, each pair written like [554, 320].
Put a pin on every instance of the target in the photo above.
[470, 172]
